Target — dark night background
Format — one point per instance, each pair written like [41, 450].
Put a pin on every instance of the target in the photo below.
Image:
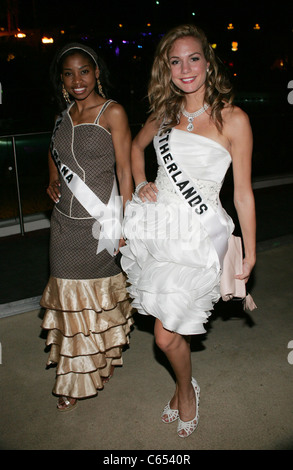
[263, 63]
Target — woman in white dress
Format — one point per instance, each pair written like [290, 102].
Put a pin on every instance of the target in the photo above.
[173, 256]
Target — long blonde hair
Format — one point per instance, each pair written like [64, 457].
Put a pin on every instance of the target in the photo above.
[165, 98]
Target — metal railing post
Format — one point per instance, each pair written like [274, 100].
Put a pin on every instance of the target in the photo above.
[17, 187]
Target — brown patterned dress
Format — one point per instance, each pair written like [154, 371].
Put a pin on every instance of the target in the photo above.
[88, 313]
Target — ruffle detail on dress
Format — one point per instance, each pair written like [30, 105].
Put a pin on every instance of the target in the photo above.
[86, 343]
[174, 275]
[75, 295]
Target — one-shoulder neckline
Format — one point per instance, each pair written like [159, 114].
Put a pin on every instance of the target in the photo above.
[203, 137]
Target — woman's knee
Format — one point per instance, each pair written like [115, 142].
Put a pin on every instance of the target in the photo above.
[165, 339]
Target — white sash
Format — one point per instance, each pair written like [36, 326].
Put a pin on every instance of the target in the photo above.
[185, 187]
[109, 216]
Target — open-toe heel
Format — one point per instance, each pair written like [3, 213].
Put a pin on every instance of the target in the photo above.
[64, 404]
[185, 428]
[169, 415]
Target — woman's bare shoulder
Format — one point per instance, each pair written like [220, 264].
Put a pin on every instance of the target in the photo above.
[233, 115]
[115, 109]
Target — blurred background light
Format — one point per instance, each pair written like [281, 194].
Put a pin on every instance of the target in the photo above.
[46, 40]
[234, 46]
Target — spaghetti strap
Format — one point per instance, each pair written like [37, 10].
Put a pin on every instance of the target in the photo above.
[104, 107]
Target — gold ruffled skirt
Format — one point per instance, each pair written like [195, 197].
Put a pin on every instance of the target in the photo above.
[89, 323]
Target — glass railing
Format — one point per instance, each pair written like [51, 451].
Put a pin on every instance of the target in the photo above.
[25, 205]
[23, 180]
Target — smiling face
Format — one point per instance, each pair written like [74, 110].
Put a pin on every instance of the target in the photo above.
[188, 65]
[79, 76]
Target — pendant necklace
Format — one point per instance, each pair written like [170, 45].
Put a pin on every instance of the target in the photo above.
[191, 116]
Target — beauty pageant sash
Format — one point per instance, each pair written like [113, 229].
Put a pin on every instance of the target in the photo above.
[109, 216]
[186, 189]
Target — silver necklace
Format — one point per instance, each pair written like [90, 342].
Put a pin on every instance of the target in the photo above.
[191, 116]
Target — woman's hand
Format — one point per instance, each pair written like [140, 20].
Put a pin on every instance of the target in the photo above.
[121, 244]
[246, 271]
[148, 192]
[53, 191]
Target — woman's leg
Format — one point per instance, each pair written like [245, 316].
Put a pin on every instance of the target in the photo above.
[177, 350]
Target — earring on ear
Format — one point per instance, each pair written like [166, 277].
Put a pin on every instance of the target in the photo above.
[100, 88]
[65, 94]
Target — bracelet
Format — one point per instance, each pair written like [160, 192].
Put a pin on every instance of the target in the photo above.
[139, 186]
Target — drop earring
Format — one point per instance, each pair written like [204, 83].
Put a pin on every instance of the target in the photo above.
[65, 94]
[100, 88]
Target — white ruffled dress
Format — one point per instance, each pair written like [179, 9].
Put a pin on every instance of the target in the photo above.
[171, 263]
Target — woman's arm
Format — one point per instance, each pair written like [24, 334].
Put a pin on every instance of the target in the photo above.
[53, 189]
[121, 137]
[141, 141]
[241, 150]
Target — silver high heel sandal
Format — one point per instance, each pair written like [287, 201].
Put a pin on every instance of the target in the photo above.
[171, 415]
[189, 426]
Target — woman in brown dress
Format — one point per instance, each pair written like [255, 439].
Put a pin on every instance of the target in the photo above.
[88, 314]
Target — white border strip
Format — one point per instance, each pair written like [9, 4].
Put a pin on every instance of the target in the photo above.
[20, 306]
[31, 223]
[274, 181]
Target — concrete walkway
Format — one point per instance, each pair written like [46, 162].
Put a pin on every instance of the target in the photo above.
[242, 364]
